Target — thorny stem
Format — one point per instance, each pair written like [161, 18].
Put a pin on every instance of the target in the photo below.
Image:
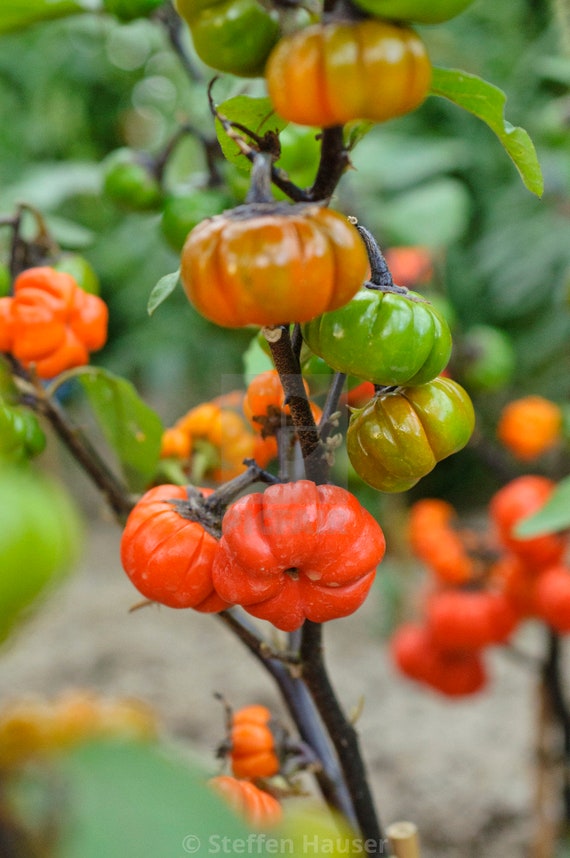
[333, 162]
[342, 734]
[551, 676]
[287, 365]
[226, 493]
[302, 711]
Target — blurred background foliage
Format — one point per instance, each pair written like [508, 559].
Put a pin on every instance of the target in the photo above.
[74, 90]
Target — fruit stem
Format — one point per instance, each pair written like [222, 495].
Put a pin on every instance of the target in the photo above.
[287, 365]
[36, 398]
[342, 734]
[303, 712]
[333, 162]
[331, 403]
[260, 187]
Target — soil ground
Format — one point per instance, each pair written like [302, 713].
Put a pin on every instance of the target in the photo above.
[462, 771]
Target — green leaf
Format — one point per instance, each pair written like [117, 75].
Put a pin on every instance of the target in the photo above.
[487, 102]
[121, 799]
[131, 428]
[255, 360]
[257, 114]
[165, 287]
[16, 14]
[355, 131]
[554, 515]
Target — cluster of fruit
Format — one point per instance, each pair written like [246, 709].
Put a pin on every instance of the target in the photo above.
[50, 323]
[296, 551]
[34, 727]
[212, 440]
[253, 755]
[482, 587]
[327, 73]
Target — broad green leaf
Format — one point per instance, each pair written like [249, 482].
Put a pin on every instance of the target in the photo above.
[487, 102]
[16, 14]
[554, 515]
[121, 799]
[131, 428]
[257, 114]
[165, 287]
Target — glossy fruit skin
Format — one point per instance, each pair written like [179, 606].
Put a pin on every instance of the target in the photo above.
[269, 264]
[530, 426]
[252, 746]
[128, 182]
[398, 437]
[260, 809]
[129, 10]
[330, 74]
[489, 358]
[460, 619]
[182, 212]
[40, 538]
[50, 323]
[382, 337]
[298, 551]
[552, 598]
[235, 37]
[417, 11]
[516, 500]
[167, 557]
[21, 436]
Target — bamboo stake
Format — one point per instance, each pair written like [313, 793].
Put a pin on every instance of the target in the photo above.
[404, 840]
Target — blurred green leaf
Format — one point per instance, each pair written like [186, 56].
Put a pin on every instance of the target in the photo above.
[356, 131]
[257, 114]
[394, 162]
[131, 428]
[48, 185]
[487, 102]
[255, 360]
[16, 14]
[433, 215]
[165, 287]
[554, 515]
[125, 800]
